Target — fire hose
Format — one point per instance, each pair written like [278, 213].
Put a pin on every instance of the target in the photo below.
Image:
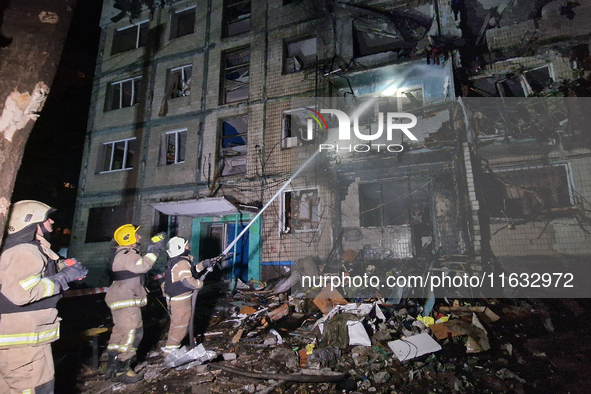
[302, 378]
[193, 303]
[226, 252]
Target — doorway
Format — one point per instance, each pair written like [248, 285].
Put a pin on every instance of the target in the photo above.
[217, 237]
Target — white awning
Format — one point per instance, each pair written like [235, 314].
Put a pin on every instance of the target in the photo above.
[214, 206]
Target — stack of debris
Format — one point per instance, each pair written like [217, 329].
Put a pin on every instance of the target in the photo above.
[262, 340]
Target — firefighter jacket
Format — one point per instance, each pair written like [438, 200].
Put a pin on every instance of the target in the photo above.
[129, 267]
[28, 297]
[178, 280]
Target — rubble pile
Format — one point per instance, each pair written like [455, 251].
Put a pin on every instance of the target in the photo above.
[260, 341]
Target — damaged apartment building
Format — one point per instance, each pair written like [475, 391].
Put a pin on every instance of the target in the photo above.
[200, 109]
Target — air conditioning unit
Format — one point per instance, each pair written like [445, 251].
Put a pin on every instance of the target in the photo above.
[291, 142]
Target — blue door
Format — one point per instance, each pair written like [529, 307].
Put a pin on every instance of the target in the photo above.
[240, 267]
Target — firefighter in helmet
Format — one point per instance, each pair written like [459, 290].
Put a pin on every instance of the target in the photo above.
[30, 286]
[179, 284]
[125, 297]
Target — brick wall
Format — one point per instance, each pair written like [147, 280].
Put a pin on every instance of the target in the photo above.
[560, 65]
[550, 237]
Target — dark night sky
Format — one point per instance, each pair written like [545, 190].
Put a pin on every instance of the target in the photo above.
[54, 150]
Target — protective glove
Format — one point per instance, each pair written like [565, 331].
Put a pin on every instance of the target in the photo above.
[213, 261]
[158, 243]
[71, 273]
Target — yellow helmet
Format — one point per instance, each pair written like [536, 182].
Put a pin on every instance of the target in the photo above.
[27, 212]
[125, 235]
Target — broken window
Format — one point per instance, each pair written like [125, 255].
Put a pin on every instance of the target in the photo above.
[236, 75]
[117, 155]
[519, 193]
[236, 17]
[299, 55]
[300, 211]
[371, 37]
[182, 23]
[130, 37]
[168, 224]
[233, 146]
[539, 78]
[179, 81]
[103, 221]
[484, 87]
[123, 94]
[384, 203]
[294, 128]
[531, 81]
[410, 98]
[512, 87]
[172, 147]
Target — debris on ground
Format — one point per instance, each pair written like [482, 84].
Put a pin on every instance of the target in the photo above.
[257, 341]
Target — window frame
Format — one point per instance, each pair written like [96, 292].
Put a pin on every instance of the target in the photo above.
[570, 183]
[134, 94]
[523, 82]
[170, 224]
[174, 22]
[183, 78]
[224, 71]
[384, 208]
[97, 216]
[360, 29]
[288, 142]
[283, 225]
[225, 16]
[290, 41]
[138, 26]
[163, 161]
[551, 73]
[125, 152]
[220, 149]
[402, 90]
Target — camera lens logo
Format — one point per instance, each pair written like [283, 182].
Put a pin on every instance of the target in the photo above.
[315, 115]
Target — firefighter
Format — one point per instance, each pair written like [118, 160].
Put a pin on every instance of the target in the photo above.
[30, 286]
[125, 297]
[179, 284]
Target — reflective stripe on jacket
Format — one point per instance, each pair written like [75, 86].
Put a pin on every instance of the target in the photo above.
[42, 335]
[179, 280]
[23, 268]
[129, 292]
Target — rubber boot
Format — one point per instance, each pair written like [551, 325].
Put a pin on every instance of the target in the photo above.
[111, 364]
[125, 374]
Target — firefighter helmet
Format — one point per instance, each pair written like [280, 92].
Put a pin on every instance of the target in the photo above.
[176, 246]
[125, 235]
[27, 212]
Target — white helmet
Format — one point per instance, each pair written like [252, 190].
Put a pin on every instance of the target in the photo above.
[176, 246]
[27, 212]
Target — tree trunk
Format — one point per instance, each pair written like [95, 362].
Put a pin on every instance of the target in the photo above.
[32, 35]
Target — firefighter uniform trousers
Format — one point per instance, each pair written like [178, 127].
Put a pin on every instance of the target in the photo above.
[125, 297]
[128, 331]
[180, 317]
[21, 375]
[179, 285]
[27, 328]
